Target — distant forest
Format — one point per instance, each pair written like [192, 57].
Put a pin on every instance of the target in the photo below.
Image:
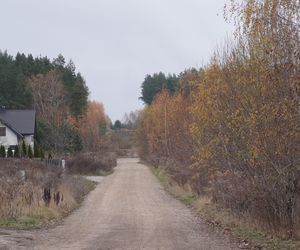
[15, 73]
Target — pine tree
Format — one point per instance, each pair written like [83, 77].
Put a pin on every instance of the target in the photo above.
[36, 152]
[29, 152]
[42, 153]
[17, 152]
[2, 151]
[24, 149]
[10, 153]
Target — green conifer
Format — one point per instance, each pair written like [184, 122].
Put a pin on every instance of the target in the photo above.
[2, 151]
[29, 152]
[24, 149]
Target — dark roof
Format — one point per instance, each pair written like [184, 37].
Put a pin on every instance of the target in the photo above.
[21, 121]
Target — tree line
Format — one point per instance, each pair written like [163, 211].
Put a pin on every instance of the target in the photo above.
[59, 95]
[232, 129]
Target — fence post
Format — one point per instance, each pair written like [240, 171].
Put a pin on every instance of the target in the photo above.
[63, 165]
[23, 175]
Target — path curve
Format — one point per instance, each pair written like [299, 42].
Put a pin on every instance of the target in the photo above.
[128, 210]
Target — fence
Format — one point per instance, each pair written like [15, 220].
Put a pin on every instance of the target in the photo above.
[55, 162]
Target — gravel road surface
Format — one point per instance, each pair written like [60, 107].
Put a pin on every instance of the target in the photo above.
[128, 210]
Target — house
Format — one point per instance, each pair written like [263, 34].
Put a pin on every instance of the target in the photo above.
[16, 126]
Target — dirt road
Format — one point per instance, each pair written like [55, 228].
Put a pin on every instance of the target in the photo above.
[128, 210]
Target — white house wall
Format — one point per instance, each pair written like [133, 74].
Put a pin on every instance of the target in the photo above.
[10, 139]
[29, 140]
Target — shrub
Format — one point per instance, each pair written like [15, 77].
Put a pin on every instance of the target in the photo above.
[2, 151]
[91, 163]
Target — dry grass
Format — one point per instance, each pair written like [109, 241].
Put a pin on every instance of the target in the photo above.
[245, 229]
[23, 202]
[92, 163]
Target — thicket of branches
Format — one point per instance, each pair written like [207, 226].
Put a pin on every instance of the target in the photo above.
[232, 129]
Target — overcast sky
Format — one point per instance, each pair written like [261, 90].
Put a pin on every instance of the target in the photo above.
[115, 43]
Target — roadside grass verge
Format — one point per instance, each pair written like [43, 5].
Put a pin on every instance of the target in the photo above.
[39, 215]
[45, 195]
[36, 219]
[239, 227]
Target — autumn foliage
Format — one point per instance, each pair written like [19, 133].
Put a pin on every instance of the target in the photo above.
[92, 127]
[66, 132]
[232, 130]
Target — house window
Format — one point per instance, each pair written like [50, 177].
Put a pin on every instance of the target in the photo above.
[2, 131]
